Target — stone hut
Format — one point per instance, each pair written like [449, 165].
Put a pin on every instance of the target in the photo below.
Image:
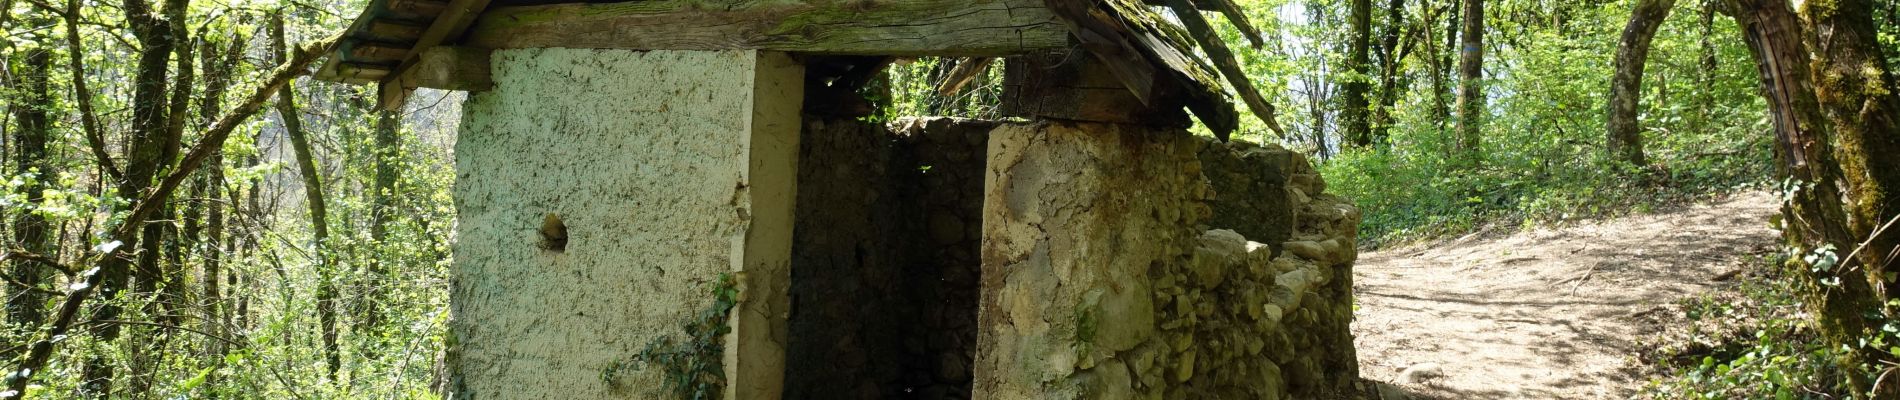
[674, 199]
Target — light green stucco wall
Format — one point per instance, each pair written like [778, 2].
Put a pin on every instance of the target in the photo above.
[669, 168]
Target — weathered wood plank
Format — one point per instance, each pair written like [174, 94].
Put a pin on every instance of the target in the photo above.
[358, 73]
[394, 31]
[1224, 60]
[1077, 87]
[415, 9]
[374, 52]
[450, 68]
[450, 24]
[902, 28]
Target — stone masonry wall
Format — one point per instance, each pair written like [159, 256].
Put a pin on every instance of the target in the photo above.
[1250, 190]
[1102, 281]
[885, 261]
[1308, 279]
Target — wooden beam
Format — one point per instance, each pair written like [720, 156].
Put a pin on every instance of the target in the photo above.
[1077, 87]
[440, 67]
[450, 68]
[1226, 7]
[374, 52]
[450, 24]
[416, 9]
[1225, 61]
[358, 73]
[967, 28]
[394, 31]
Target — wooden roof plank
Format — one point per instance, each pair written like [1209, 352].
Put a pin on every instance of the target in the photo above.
[364, 51]
[1223, 59]
[448, 25]
[394, 31]
[966, 28]
[1238, 17]
[414, 9]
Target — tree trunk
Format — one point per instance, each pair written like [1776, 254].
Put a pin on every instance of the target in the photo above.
[149, 152]
[1625, 136]
[217, 66]
[1710, 63]
[1391, 71]
[1471, 109]
[1442, 103]
[1813, 219]
[1358, 73]
[382, 208]
[33, 129]
[1856, 94]
[313, 197]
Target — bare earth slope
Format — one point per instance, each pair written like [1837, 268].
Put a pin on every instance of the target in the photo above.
[1543, 314]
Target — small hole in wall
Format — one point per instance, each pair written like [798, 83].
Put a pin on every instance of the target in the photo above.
[553, 233]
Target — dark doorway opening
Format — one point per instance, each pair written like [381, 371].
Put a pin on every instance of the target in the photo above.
[885, 259]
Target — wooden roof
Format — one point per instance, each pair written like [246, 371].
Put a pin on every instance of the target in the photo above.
[1154, 56]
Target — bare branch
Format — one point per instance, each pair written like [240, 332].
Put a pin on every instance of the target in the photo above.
[155, 324]
[43, 260]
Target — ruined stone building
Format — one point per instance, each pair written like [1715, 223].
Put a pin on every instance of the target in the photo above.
[662, 199]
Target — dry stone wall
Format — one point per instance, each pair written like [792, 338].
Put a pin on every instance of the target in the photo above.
[1101, 282]
[1307, 280]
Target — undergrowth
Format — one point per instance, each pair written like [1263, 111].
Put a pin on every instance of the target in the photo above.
[1406, 196]
[1752, 342]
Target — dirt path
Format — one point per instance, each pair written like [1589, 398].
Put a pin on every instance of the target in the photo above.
[1544, 314]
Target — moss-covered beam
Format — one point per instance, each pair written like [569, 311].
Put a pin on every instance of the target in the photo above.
[894, 27]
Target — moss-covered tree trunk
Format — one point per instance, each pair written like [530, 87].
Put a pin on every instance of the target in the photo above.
[30, 103]
[382, 209]
[321, 257]
[151, 149]
[1855, 90]
[1812, 220]
[1625, 137]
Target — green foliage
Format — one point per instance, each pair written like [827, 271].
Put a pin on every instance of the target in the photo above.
[1754, 343]
[694, 369]
[910, 88]
[1543, 143]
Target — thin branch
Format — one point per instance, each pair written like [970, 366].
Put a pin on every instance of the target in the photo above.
[30, 288]
[48, 7]
[166, 326]
[1870, 238]
[46, 261]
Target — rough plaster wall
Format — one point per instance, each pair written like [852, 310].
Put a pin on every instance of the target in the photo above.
[1097, 283]
[1074, 216]
[884, 259]
[649, 158]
